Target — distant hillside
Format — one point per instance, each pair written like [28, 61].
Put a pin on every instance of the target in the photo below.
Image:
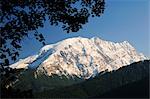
[128, 81]
[137, 89]
[126, 78]
[29, 80]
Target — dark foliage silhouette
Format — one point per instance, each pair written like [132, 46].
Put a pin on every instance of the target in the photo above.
[7, 79]
[19, 18]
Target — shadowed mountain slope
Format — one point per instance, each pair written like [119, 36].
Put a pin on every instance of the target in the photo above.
[126, 78]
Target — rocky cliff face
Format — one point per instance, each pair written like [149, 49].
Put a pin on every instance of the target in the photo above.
[81, 57]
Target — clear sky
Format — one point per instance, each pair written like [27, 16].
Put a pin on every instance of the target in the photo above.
[122, 20]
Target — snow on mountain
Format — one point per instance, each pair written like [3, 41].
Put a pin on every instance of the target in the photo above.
[82, 57]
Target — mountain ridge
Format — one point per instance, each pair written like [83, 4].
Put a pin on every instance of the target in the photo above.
[83, 57]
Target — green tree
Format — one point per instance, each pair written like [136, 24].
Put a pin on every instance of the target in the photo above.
[20, 18]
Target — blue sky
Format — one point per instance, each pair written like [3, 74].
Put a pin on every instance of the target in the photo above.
[122, 20]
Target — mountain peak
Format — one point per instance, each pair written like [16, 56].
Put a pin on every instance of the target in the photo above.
[82, 57]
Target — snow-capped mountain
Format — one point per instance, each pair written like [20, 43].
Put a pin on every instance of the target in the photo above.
[82, 57]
